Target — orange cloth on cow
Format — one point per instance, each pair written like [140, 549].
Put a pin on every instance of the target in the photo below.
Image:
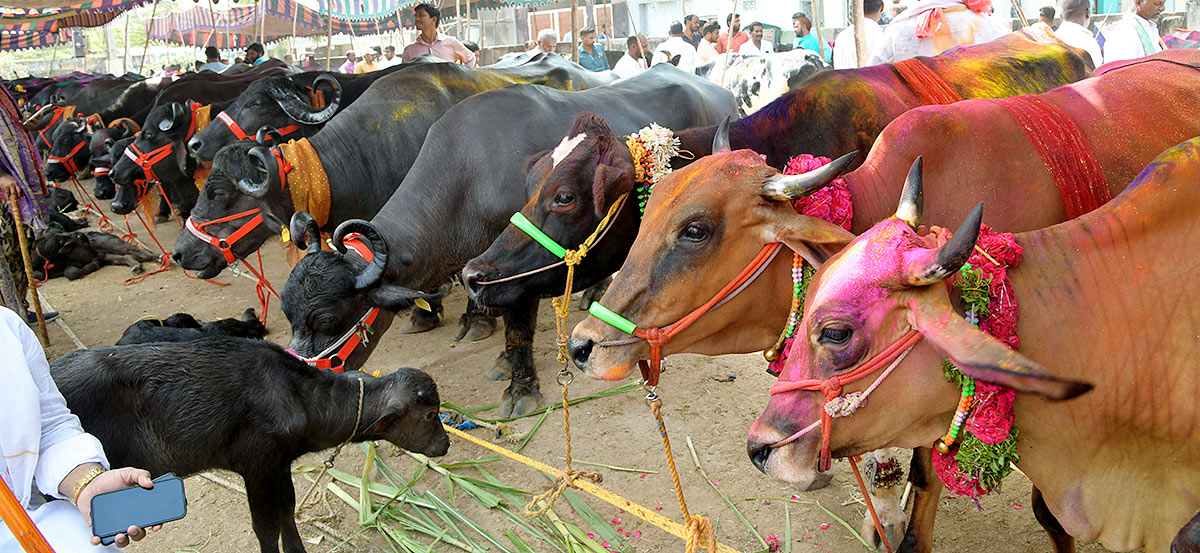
[201, 117]
[201, 174]
[927, 84]
[306, 181]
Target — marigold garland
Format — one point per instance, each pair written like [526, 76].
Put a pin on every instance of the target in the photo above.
[652, 149]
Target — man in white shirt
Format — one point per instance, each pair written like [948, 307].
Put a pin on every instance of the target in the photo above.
[676, 46]
[708, 43]
[755, 46]
[931, 27]
[44, 449]
[633, 62]
[1136, 34]
[547, 40]
[389, 58]
[1073, 29]
[845, 53]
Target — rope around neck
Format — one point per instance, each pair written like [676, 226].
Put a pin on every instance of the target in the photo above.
[328, 464]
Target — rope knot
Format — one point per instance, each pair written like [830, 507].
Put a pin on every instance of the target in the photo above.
[656, 337]
[699, 531]
[844, 406]
[832, 389]
[575, 257]
[567, 480]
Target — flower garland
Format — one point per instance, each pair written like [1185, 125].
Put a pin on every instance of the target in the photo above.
[831, 203]
[987, 450]
[652, 149]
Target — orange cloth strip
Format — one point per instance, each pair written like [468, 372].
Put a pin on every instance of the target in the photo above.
[126, 121]
[201, 117]
[306, 182]
[932, 89]
[201, 174]
[1064, 151]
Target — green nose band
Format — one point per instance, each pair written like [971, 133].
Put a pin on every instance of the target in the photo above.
[609, 316]
[518, 220]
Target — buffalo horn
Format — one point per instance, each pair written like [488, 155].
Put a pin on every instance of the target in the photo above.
[912, 198]
[791, 187]
[298, 108]
[721, 139]
[952, 255]
[266, 132]
[379, 249]
[263, 166]
[306, 235]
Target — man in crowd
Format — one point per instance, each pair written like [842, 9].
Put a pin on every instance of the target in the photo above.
[734, 22]
[1073, 29]
[676, 46]
[367, 64]
[914, 33]
[845, 54]
[213, 61]
[348, 67]
[254, 54]
[547, 40]
[755, 46]
[708, 43]
[429, 41]
[1045, 20]
[1136, 34]
[807, 39]
[691, 30]
[591, 54]
[389, 58]
[633, 62]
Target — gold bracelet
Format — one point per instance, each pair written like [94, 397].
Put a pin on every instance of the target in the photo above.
[83, 482]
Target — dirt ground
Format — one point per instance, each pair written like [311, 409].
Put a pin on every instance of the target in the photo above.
[617, 430]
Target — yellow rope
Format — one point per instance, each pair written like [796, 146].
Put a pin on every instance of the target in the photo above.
[644, 513]
[698, 528]
[561, 308]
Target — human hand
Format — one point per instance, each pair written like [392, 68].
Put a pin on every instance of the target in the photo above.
[117, 479]
[9, 186]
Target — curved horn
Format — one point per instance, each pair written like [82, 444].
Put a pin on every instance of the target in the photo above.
[267, 132]
[912, 198]
[379, 248]
[306, 235]
[950, 257]
[790, 187]
[33, 120]
[170, 122]
[298, 109]
[721, 140]
[265, 167]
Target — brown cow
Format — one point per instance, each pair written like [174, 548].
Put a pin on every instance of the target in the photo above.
[1102, 304]
[664, 277]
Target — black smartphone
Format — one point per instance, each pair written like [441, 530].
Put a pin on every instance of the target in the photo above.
[114, 512]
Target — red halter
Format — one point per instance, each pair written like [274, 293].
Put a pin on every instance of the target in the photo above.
[225, 245]
[241, 134]
[67, 162]
[334, 357]
[148, 160]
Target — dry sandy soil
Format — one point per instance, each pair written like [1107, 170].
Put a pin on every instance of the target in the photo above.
[617, 430]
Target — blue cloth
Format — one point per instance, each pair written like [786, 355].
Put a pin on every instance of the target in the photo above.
[598, 62]
[464, 425]
[809, 42]
[214, 66]
[261, 59]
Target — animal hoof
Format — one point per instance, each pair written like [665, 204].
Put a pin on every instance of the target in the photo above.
[480, 328]
[160, 219]
[137, 270]
[421, 321]
[520, 400]
[503, 369]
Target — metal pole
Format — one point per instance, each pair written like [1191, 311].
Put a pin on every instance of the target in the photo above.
[860, 39]
[149, 25]
[24, 244]
[575, 31]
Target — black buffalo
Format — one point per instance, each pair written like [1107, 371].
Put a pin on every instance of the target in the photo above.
[469, 178]
[182, 327]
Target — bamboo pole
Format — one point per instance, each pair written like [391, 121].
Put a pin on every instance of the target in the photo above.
[125, 53]
[458, 19]
[575, 31]
[295, 15]
[860, 39]
[329, 40]
[729, 46]
[1020, 13]
[26, 533]
[816, 19]
[146, 47]
[24, 244]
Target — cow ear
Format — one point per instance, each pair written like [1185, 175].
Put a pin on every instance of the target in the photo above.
[816, 240]
[983, 357]
[397, 298]
[534, 159]
[608, 183]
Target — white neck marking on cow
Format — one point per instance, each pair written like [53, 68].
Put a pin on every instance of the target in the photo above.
[565, 148]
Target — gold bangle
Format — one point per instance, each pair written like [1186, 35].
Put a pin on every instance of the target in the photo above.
[83, 482]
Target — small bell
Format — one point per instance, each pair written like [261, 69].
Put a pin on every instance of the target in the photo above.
[941, 446]
[770, 354]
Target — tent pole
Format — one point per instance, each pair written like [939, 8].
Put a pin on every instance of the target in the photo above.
[729, 45]
[125, 53]
[817, 27]
[329, 40]
[295, 15]
[149, 25]
[575, 31]
[860, 39]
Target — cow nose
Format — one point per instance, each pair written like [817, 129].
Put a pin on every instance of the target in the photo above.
[195, 144]
[178, 257]
[471, 279]
[759, 453]
[580, 351]
[119, 206]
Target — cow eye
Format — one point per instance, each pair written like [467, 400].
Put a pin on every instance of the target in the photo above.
[431, 416]
[694, 232]
[835, 335]
[323, 322]
[564, 199]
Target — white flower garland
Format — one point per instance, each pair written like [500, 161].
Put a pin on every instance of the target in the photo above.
[661, 145]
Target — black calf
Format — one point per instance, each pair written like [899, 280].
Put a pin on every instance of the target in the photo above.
[182, 327]
[240, 405]
[78, 254]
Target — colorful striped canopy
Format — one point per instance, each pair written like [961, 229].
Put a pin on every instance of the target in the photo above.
[88, 5]
[195, 27]
[383, 9]
[24, 40]
[56, 20]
